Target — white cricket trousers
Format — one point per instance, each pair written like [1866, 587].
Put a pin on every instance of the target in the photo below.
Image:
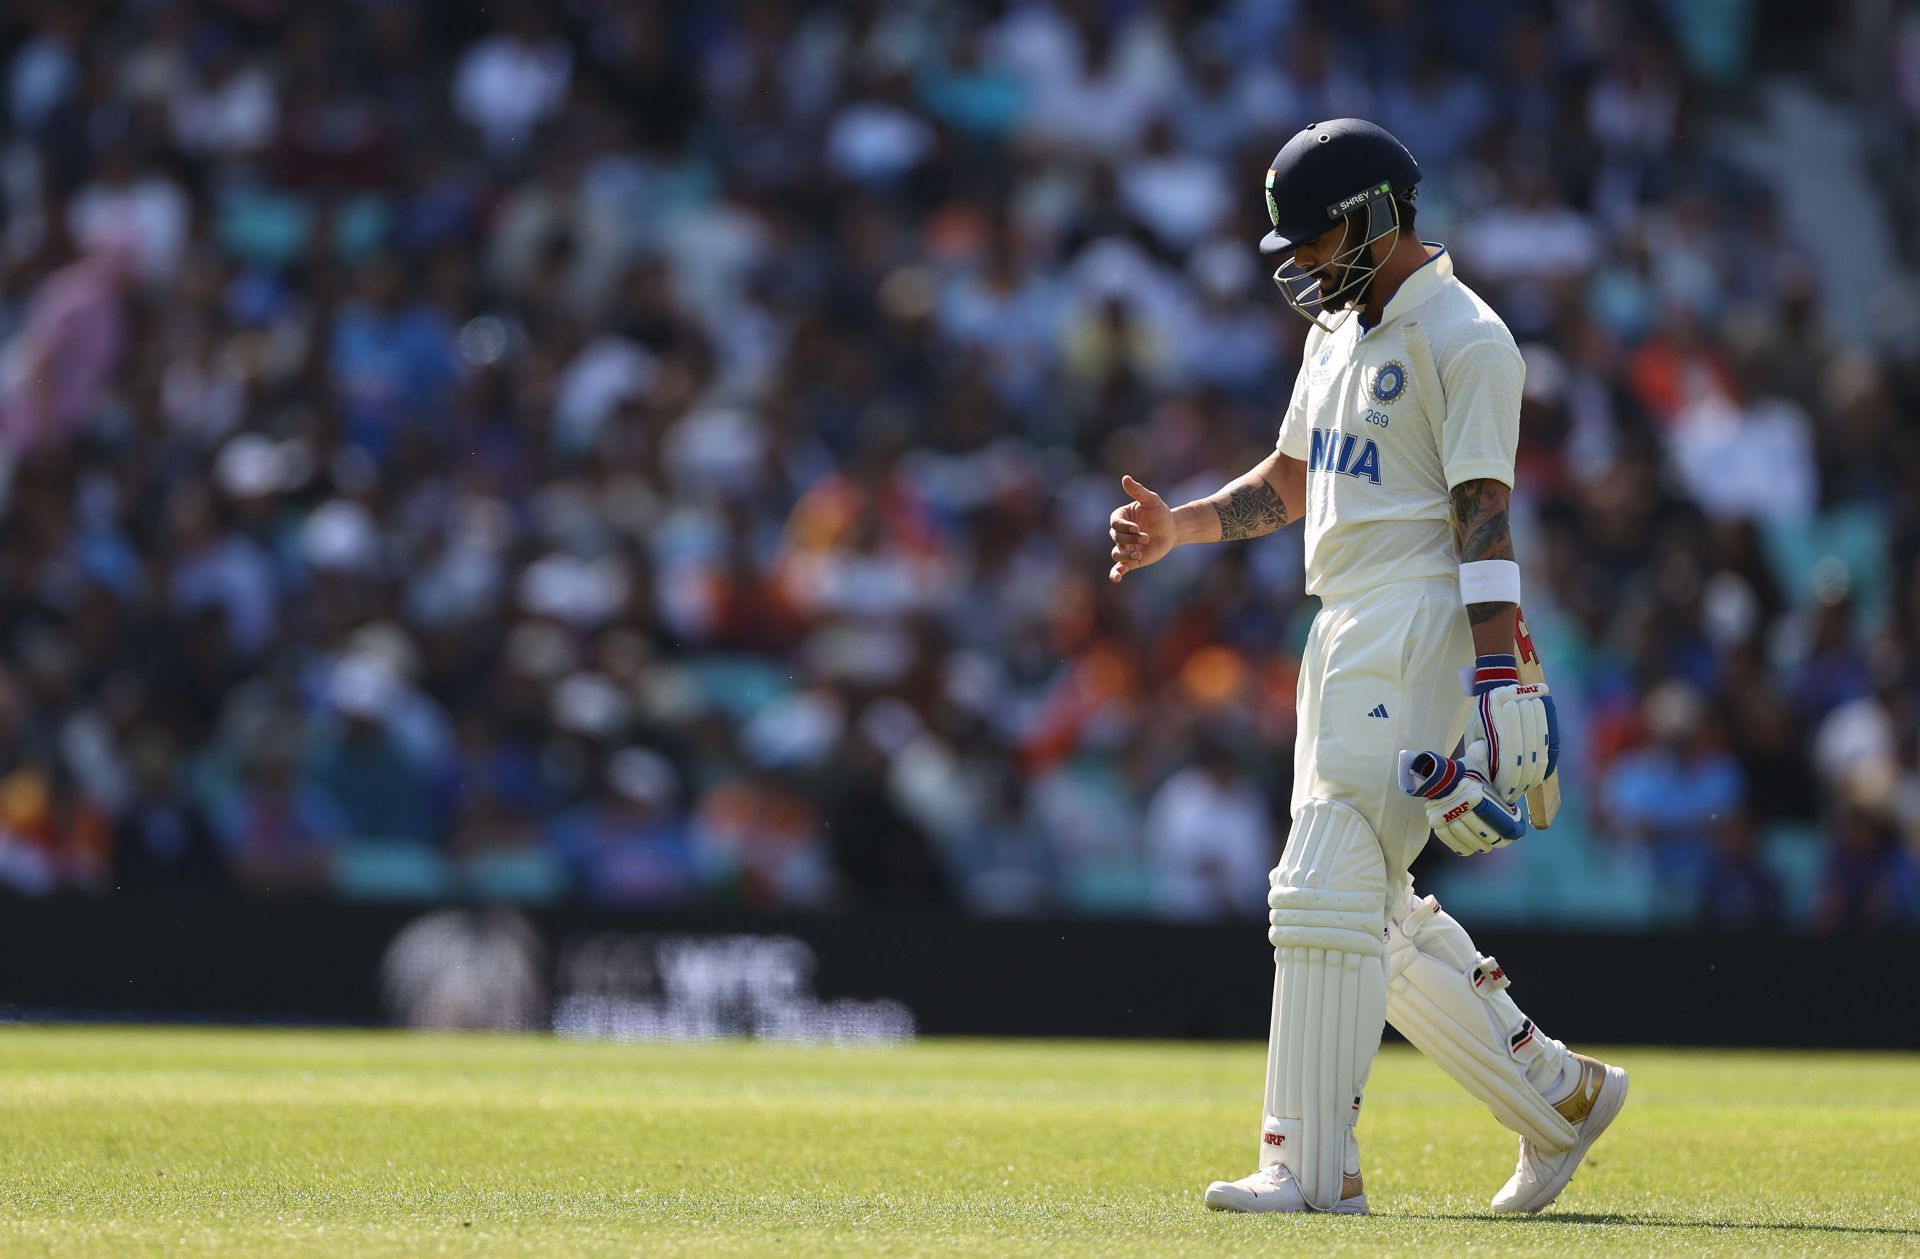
[1381, 673]
[1353, 947]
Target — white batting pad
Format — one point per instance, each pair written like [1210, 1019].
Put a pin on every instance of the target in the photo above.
[1451, 1002]
[1327, 915]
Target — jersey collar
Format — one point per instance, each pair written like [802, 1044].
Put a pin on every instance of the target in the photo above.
[1426, 280]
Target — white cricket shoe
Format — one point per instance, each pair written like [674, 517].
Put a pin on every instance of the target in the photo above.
[1272, 1188]
[1539, 1177]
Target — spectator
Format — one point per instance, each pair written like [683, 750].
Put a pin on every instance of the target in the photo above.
[1680, 793]
[1436, 111]
[767, 841]
[51, 835]
[879, 139]
[360, 765]
[512, 81]
[630, 846]
[482, 397]
[46, 70]
[1209, 839]
[139, 212]
[230, 110]
[55, 372]
[1746, 456]
[280, 831]
[1737, 892]
[1179, 196]
[163, 837]
[1870, 882]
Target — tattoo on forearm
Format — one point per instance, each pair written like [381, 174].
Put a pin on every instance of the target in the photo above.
[1250, 511]
[1480, 521]
[1480, 524]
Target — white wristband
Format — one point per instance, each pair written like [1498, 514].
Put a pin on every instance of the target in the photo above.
[1490, 581]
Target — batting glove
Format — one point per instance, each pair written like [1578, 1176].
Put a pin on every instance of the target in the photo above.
[1461, 808]
[1516, 722]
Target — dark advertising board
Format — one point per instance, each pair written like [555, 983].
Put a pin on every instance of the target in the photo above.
[860, 977]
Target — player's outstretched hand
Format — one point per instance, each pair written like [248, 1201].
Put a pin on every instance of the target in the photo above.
[1142, 530]
[1462, 808]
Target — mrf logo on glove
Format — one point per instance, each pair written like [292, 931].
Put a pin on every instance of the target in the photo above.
[1462, 808]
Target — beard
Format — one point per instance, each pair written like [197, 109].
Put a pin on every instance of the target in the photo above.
[1351, 282]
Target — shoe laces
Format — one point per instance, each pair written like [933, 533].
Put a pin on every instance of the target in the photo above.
[1273, 1174]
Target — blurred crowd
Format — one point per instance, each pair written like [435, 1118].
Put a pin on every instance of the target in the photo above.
[660, 453]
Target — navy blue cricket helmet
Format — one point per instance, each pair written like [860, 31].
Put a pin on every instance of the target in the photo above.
[1343, 170]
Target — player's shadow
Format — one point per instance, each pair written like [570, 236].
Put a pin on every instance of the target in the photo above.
[1655, 1221]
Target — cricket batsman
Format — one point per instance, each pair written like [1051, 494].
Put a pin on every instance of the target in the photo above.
[1397, 448]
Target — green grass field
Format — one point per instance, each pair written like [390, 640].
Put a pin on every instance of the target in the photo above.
[120, 1142]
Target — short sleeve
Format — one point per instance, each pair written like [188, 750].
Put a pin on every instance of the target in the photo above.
[1296, 426]
[1481, 432]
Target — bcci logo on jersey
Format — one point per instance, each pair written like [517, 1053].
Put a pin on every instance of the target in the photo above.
[1390, 381]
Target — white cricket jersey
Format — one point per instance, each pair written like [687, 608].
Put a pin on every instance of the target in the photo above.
[1389, 419]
